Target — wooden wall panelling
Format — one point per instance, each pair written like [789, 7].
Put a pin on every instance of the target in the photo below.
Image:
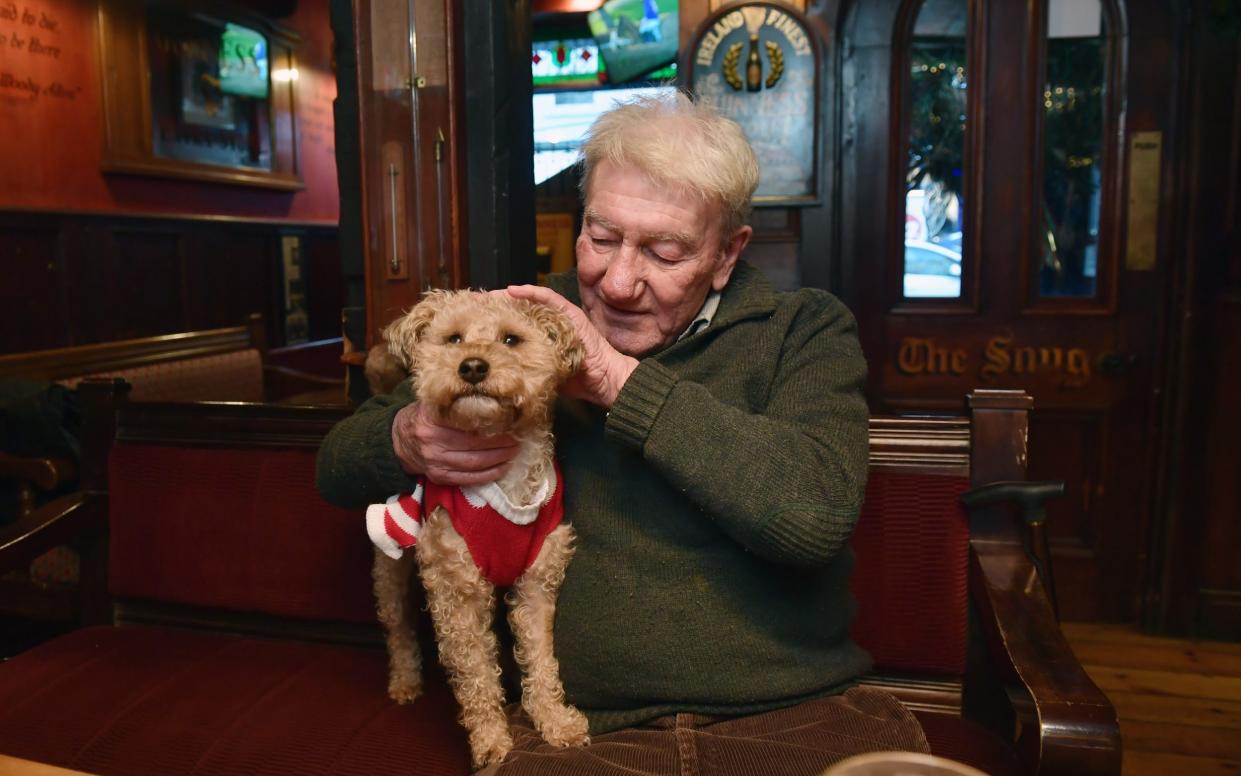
[774, 247]
[1195, 585]
[1068, 446]
[207, 279]
[76, 279]
[31, 298]
[141, 280]
[228, 275]
[321, 268]
[1220, 586]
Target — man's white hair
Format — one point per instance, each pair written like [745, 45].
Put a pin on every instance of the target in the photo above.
[681, 144]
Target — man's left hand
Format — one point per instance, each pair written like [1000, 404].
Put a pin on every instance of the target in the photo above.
[604, 368]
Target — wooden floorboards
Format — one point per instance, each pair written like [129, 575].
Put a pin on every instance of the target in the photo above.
[1179, 700]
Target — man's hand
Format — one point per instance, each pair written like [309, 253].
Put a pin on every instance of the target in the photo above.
[448, 456]
[604, 368]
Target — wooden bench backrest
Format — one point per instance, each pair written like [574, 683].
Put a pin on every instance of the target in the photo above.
[911, 547]
[211, 365]
[109, 357]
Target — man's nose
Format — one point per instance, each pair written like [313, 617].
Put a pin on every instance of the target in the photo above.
[473, 370]
[623, 278]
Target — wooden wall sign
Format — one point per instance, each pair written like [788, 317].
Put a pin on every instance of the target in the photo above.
[758, 64]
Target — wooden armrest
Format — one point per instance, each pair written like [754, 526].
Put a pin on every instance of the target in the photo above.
[1070, 725]
[52, 524]
[44, 473]
[47, 473]
[1031, 498]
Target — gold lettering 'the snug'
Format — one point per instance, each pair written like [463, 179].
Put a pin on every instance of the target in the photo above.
[923, 356]
[918, 356]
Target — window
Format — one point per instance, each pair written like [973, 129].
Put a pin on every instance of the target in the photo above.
[1074, 117]
[934, 175]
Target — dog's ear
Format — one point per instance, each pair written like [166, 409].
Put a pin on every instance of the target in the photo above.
[403, 333]
[562, 333]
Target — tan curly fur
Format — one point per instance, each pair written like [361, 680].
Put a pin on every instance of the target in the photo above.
[530, 349]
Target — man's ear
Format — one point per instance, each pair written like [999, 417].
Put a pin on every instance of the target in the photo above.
[562, 333]
[729, 253]
[403, 333]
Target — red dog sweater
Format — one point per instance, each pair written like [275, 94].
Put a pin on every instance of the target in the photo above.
[503, 538]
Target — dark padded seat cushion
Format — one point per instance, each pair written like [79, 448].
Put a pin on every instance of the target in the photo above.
[968, 742]
[139, 700]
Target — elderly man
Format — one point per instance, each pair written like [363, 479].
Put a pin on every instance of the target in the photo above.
[714, 451]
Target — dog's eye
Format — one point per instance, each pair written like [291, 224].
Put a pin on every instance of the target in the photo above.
[453, 339]
[512, 340]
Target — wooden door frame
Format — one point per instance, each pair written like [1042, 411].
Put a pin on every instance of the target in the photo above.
[867, 172]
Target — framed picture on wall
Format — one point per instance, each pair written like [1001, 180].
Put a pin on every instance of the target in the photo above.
[203, 102]
[204, 92]
[759, 64]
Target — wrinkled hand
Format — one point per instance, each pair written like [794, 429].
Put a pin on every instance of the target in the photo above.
[448, 456]
[604, 368]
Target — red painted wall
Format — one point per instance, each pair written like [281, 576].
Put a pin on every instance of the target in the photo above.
[51, 128]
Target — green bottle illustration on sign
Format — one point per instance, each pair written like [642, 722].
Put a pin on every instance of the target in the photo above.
[753, 67]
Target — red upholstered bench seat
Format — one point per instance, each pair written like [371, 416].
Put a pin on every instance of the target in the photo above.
[145, 701]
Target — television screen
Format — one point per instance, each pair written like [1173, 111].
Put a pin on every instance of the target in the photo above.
[635, 36]
[562, 118]
[243, 61]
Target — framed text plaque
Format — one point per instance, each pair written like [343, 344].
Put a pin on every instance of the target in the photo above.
[758, 64]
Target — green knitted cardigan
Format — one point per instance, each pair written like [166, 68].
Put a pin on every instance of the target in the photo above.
[712, 507]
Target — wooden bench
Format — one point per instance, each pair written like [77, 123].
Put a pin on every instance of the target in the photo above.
[227, 364]
[237, 632]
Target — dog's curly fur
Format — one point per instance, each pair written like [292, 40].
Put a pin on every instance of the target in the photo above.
[529, 349]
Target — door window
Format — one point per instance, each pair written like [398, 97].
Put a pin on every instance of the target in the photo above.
[935, 174]
[1074, 111]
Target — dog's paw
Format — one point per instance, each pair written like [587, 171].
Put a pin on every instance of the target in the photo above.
[489, 745]
[404, 690]
[566, 726]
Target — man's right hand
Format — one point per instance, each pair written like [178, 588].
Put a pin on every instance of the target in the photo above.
[445, 455]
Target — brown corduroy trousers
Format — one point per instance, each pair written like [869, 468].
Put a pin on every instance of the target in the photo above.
[798, 741]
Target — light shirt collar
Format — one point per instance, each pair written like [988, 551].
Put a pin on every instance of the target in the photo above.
[703, 319]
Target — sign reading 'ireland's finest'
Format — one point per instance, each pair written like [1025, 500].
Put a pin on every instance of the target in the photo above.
[757, 65]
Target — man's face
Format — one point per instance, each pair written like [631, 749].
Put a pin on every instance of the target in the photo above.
[647, 257]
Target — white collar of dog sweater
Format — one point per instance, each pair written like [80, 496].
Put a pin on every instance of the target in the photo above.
[490, 495]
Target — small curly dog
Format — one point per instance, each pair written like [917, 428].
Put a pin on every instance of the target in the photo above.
[490, 364]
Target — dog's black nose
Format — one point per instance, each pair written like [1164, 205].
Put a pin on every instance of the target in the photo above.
[473, 370]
